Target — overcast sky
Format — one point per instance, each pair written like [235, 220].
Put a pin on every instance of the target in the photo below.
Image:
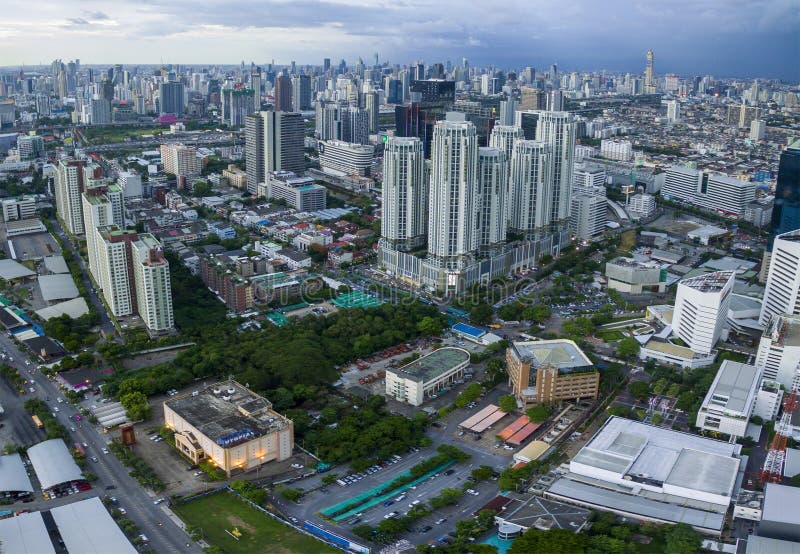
[759, 38]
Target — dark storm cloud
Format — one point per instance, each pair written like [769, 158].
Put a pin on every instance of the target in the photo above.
[720, 37]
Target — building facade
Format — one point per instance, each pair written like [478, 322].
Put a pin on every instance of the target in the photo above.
[69, 186]
[729, 402]
[405, 194]
[701, 306]
[782, 293]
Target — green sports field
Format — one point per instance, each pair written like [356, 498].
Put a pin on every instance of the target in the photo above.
[222, 511]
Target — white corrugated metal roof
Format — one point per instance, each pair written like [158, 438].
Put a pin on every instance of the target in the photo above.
[25, 534]
[88, 528]
[57, 287]
[53, 463]
[13, 476]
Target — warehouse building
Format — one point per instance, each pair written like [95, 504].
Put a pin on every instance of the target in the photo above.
[25, 534]
[230, 426]
[14, 480]
[54, 466]
[549, 371]
[653, 474]
[426, 376]
[88, 528]
[780, 518]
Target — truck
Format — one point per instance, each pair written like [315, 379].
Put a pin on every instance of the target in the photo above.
[37, 422]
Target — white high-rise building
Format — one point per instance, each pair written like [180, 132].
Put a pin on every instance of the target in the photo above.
[492, 186]
[452, 233]
[557, 131]
[181, 160]
[503, 137]
[131, 183]
[673, 111]
[616, 149]
[701, 306]
[101, 207]
[782, 293]
[405, 194]
[529, 188]
[588, 216]
[113, 250]
[153, 289]
[778, 355]
[69, 184]
[719, 193]
[758, 128]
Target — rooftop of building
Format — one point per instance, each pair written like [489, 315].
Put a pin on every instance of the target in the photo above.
[228, 413]
[658, 456]
[635, 264]
[791, 236]
[709, 282]
[735, 382]
[433, 365]
[777, 498]
[784, 330]
[561, 353]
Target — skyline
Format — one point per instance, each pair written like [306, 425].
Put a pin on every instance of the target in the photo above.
[735, 39]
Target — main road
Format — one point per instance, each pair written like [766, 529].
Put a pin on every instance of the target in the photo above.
[163, 534]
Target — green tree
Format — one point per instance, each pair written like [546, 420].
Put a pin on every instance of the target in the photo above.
[136, 406]
[628, 348]
[429, 326]
[639, 389]
[682, 539]
[686, 400]
[538, 413]
[481, 313]
[555, 540]
[537, 314]
[482, 473]
[507, 403]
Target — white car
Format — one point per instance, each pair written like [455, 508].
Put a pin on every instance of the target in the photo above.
[298, 466]
[105, 450]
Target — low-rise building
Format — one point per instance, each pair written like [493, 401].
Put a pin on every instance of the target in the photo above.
[23, 207]
[301, 193]
[235, 177]
[729, 401]
[642, 206]
[768, 400]
[550, 371]
[426, 376]
[345, 158]
[229, 426]
[632, 277]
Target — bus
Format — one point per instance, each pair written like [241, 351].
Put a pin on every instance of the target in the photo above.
[37, 422]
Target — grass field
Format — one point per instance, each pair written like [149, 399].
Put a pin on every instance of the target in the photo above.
[222, 511]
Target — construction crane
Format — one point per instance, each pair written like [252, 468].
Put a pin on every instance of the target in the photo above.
[773, 464]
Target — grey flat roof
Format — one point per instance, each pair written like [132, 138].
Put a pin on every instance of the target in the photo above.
[87, 527]
[736, 382]
[791, 465]
[57, 287]
[56, 264]
[25, 534]
[53, 463]
[219, 419]
[777, 502]
[637, 505]
[434, 364]
[764, 545]
[560, 353]
[705, 472]
[628, 447]
[10, 269]
[13, 476]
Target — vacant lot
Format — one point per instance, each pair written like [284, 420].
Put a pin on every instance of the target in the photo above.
[217, 513]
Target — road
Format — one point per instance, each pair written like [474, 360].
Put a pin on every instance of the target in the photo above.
[106, 324]
[163, 534]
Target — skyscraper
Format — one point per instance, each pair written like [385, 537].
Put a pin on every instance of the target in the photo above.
[452, 233]
[649, 78]
[782, 294]
[507, 109]
[786, 213]
[284, 134]
[152, 283]
[673, 111]
[372, 104]
[68, 189]
[114, 268]
[355, 125]
[328, 121]
[102, 206]
[283, 94]
[254, 151]
[170, 96]
[557, 131]
[237, 104]
[405, 194]
[301, 93]
[492, 186]
[529, 188]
